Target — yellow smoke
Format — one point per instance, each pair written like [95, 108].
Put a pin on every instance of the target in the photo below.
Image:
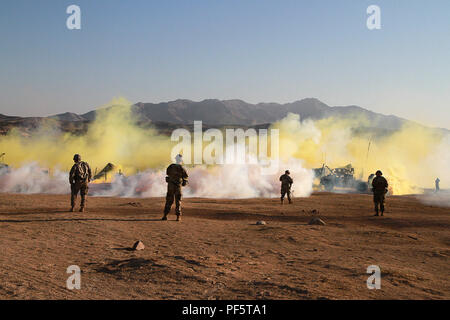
[112, 137]
[410, 158]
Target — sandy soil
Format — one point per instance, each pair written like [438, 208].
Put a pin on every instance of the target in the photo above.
[218, 252]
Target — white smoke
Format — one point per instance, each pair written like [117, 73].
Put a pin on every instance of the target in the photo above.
[246, 181]
[31, 178]
[439, 199]
[438, 161]
[220, 181]
[150, 183]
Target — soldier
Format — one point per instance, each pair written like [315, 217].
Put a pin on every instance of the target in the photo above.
[176, 178]
[286, 183]
[79, 177]
[436, 182]
[379, 189]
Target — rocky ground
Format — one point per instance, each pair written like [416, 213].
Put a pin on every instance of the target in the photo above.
[219, 252]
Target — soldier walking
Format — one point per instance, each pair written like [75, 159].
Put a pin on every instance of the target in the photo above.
[79, 177]
[176, 178]
[436, 182]
[379, 189]
[286, 183]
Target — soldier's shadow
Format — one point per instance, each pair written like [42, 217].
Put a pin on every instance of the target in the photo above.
[124, 249]
[33, 212]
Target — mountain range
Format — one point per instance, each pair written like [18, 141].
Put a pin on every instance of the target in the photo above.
[213, 112]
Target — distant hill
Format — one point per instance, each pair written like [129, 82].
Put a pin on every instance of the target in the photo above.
[68, 116]
[238, 112]
[215, 112]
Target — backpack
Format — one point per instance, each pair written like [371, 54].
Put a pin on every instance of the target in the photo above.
[80, 171]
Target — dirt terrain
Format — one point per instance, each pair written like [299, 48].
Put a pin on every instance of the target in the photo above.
[218, 251]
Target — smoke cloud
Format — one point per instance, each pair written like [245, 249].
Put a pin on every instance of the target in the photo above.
[112, 137]
[225, 181]
[411, 158]
[31, 178]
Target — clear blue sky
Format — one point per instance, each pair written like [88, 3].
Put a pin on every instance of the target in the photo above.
[254, 50]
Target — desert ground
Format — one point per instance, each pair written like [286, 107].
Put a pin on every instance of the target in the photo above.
[218, 252]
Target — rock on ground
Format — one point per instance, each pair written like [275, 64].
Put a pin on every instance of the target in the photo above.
[316, 221]
[139, 245]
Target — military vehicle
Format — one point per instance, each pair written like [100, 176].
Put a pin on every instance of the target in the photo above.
[342, 177]
[104, 172]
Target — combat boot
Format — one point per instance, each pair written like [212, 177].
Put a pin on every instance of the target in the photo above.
[282, 200]
[82, 209]
[178, 218]
[71, 209]
[164, 218]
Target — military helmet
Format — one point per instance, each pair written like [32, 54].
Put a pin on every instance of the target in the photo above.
[287, 172]
[379, 173]
[77, 157]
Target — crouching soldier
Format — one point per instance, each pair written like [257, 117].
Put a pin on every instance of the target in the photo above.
[176, 178]
[379, 189]
[79, 177]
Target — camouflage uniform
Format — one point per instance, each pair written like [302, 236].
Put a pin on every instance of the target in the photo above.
[379, 188]
[286, 182]
[176, 178]
[79, 177]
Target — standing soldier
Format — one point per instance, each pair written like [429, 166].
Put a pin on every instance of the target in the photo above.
[436, 182]
[379, 189]
[79, 177]
[286, 183]
[176, 178]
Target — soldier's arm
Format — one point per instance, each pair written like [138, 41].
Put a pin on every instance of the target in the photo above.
[185, 175]
[71, 175]
[89, 172]
[373, 184]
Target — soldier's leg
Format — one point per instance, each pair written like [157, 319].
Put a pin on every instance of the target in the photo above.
[375, 201]
[169, 200]
[178, 196]
[382, 205]
[289, 196]
[178, 201]
[83, 193]
[73, 195]
[283, 193]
